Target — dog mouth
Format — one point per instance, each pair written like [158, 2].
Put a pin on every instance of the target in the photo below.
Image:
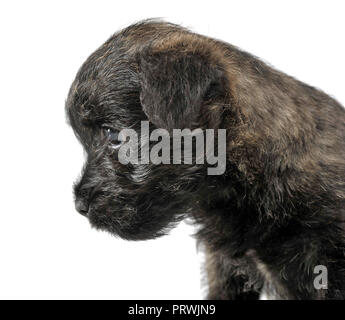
[82, 207]
[129, 213]
[83, 203]
[129, 221]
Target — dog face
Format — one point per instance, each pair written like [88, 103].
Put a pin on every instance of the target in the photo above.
[152, 72]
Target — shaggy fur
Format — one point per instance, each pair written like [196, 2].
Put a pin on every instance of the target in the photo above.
[277, 211]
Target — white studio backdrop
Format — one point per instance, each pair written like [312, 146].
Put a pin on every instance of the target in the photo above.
[47, 250]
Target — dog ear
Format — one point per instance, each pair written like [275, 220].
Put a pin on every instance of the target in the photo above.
[176, 85]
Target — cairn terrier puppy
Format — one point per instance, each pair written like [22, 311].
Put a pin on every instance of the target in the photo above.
[274, 220]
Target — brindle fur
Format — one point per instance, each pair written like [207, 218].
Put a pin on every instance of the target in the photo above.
[276, 213]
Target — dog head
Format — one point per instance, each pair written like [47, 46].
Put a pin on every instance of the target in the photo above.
[156, 72]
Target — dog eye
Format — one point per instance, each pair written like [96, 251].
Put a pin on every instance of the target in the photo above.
[113, 136]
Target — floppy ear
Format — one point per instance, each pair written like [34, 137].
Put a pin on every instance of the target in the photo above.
[175, 85]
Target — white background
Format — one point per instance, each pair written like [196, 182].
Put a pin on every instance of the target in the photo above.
[49, 251]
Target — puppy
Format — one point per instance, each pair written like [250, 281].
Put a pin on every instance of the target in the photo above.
[275, 218]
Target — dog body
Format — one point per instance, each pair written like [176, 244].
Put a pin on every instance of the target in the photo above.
[278, 210]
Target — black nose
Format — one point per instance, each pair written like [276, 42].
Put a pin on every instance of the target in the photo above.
[81, 206]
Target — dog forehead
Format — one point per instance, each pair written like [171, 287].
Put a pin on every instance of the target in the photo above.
[102, 78]
[93, 103]
[114, 63]
[109, 77]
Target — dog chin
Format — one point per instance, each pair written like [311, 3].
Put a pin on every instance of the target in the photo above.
[137, 231]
